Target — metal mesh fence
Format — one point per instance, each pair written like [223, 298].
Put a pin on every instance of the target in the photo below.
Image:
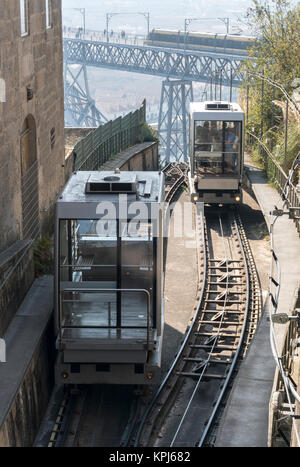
[108, 140]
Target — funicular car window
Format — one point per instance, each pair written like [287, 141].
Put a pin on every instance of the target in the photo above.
[137, 267]
[109, 254]
[217, 147]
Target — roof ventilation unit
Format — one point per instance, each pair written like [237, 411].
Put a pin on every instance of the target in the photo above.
[112, 184]
[217, 106]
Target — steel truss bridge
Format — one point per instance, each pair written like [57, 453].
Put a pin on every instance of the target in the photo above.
[179, 68]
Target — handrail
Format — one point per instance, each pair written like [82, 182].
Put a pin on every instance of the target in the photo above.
[279, 86]
[97, 290]
[283, 181]
[269, 154]
[200, 241]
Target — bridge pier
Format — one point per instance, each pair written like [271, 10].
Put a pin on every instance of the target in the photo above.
[80, 107]
[173, 120]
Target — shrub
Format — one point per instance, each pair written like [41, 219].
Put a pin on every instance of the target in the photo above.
[43, 257]
[147, 133]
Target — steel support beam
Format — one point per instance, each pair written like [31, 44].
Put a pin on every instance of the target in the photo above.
[80, 107]
[185, 66]
[173, 120]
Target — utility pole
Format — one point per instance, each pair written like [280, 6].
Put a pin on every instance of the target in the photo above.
[82, 11]
[262, 106]
[247, 105]
[188, 21]
[146, 15]
[286, 134]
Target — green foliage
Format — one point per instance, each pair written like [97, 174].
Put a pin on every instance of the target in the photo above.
[276, 57]
[43, 257]
[147, 133]
[277, 25]
[293, 146]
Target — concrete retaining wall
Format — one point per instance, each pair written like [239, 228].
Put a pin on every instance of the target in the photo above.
[27, 377]
[141, 157]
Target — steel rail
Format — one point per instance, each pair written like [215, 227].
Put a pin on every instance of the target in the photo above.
[184, 343]
[214, 342]
[180, 178]
[238, 350]
[215, 335]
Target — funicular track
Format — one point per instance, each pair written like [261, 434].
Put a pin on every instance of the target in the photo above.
[175, 176]
[186, 409]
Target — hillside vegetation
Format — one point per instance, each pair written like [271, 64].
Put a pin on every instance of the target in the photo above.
[273, 74]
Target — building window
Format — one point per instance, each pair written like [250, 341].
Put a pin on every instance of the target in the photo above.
[48, 14]
[52, 138]
[24, 17]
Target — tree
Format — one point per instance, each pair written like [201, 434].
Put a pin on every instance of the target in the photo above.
[276, 58]
[277, 53]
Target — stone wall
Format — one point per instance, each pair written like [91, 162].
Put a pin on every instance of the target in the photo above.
[34, 61]
[16, 277]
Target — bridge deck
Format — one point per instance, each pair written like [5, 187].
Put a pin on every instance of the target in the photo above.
[157, 61]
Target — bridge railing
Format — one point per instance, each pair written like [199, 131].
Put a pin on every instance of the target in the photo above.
[108, 140]
[276, 175]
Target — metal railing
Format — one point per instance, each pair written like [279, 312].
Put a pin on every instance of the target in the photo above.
[108, 140]
[276, 175]
[281, 424]
[96, 290]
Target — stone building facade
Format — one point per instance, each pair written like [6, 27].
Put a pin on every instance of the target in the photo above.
[31, 117]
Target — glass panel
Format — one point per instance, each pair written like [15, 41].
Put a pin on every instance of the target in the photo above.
[97, 250]
[136, 271]
[88, 260]
[92, 256]
[217, 148]
[89, 309]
